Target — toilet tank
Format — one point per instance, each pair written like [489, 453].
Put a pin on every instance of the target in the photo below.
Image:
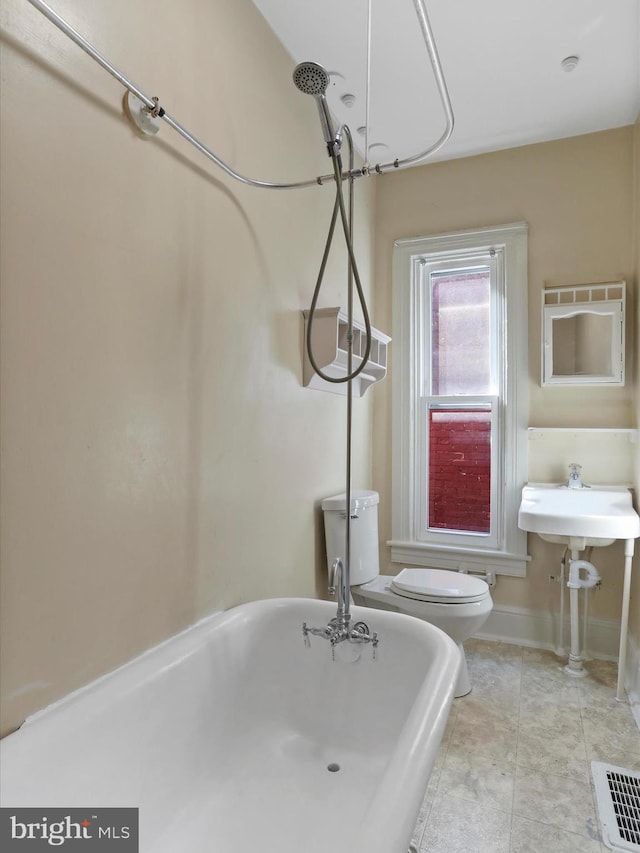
[365, 564]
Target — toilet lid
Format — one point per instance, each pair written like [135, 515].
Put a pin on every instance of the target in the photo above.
[439, 585]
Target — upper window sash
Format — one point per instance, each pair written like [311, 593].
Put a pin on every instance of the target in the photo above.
[430, 270]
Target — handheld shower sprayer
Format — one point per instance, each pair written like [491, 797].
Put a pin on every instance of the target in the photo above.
[312, 79]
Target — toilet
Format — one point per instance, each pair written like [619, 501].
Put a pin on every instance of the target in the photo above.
[457, 603]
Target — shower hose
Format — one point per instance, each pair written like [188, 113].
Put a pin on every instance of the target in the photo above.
[354, 275]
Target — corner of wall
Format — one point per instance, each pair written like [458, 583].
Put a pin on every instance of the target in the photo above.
[632, 675]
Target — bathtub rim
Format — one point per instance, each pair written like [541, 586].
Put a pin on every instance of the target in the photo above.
[191, 637]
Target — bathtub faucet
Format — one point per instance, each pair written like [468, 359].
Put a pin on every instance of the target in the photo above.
[339, 628]
[337, 632]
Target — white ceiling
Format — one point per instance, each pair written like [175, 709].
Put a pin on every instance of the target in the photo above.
[501, 61]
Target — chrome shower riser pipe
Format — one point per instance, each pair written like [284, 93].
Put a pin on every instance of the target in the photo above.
[347, 568]
[149, 102]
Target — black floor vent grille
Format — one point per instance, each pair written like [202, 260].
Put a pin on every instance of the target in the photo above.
[618, 797]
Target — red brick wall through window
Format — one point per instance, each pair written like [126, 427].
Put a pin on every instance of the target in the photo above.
[460, 470]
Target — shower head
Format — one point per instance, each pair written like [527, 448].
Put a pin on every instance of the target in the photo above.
[312, 79]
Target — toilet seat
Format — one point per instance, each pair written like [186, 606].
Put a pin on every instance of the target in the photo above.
[441, 586]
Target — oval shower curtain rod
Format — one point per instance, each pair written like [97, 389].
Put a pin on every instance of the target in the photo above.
[158, 111]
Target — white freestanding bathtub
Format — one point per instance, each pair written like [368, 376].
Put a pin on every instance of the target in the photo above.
[223, 735]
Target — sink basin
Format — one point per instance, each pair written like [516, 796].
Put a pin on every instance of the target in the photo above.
[595, 516]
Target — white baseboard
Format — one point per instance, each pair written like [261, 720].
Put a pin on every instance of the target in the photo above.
[539, 629]
[632, 676]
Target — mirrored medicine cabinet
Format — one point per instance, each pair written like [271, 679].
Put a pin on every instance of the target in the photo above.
[583, 334]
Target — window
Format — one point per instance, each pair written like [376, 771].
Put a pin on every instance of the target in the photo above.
[460, 393]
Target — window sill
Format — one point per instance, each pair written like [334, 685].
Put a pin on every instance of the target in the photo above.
[450, 557]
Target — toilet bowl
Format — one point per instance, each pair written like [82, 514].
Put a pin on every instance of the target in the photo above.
[457, 603]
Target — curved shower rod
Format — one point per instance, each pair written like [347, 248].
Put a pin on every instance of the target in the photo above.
[153, 105]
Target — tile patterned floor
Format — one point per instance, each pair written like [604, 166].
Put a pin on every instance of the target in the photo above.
[513, 774]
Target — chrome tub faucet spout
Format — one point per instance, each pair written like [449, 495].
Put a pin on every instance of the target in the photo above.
[337, 578]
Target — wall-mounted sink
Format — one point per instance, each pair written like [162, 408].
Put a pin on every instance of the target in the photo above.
[579, 518]
[589, 516]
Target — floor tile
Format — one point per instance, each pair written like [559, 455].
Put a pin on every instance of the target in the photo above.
[495, 673]
[491, 736]
[595, 694]
[557, 801]
[553, 705]
[603, 673]
[529, 836]
[600, 752]
[531, 656]
[499, 704]
[613, 732]
[539, 689]
[540, 680]
[482, 780]
[492, 650]
[563, 752]
[541, 660]
[460, 826]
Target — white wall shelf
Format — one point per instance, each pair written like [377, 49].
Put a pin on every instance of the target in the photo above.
[329, 343]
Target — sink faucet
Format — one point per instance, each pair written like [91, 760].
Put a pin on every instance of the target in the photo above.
[575, 478]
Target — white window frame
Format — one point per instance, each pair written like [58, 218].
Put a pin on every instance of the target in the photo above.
[505, 550]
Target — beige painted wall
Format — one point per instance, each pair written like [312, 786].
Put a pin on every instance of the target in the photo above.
[160, 458]
[576, 194]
